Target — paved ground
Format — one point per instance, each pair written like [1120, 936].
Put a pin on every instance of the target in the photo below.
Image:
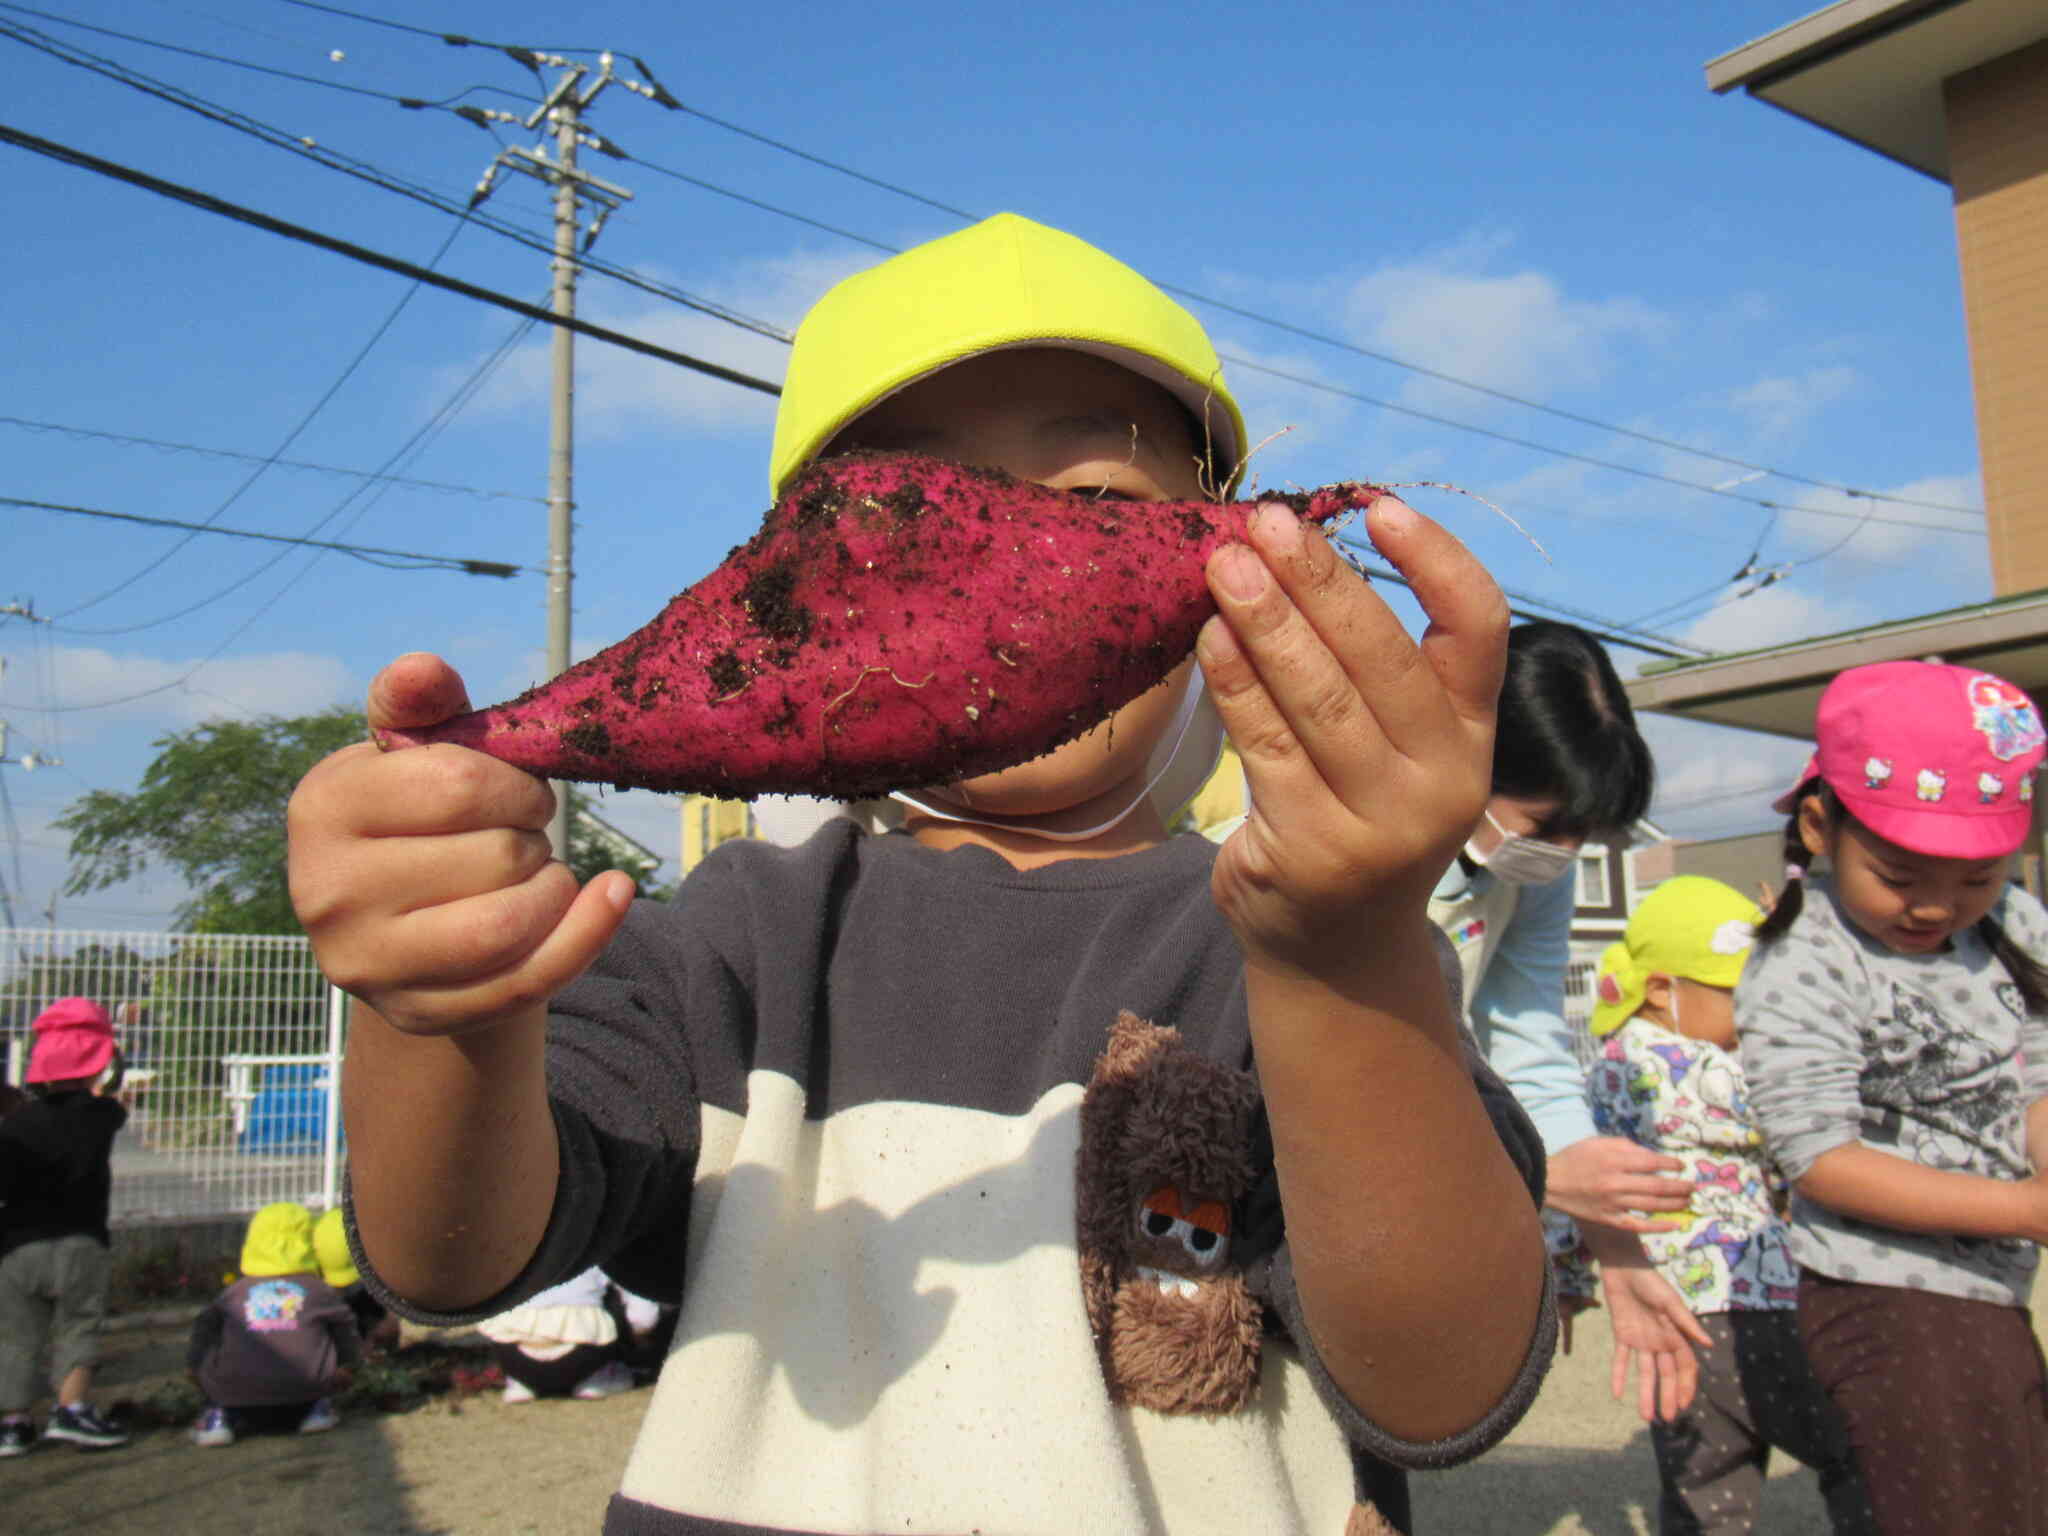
[1580, 1465]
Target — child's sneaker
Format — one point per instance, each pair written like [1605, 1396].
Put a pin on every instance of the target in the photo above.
[83, 1428]
[605, 1381]
[517, 1391]
[213, 1428]
[17, 1437]
[319, 1418]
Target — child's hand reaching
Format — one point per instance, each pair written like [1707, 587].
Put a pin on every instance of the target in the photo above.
[1655, 1332]
[425, 878]
[1368, 755]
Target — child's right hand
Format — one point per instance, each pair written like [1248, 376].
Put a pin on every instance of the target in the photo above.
[424, 875]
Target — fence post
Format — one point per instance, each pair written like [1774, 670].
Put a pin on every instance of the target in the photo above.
[330, 1151]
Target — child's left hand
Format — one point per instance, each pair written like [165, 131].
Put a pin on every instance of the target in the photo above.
[1369, 755]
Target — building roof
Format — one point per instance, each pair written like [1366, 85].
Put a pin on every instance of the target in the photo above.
[608, 837]
[1872, 70]
[1777, 688]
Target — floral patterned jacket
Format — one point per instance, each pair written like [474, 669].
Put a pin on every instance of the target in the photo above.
[1687, 1098]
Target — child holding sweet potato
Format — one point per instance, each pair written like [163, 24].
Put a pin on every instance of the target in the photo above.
[849, 1080]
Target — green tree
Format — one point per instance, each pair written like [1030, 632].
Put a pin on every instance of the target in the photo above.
[592, 852]
[210, 807]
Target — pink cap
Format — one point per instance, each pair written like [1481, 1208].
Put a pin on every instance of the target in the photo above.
[1936, 758]
[74, 1038]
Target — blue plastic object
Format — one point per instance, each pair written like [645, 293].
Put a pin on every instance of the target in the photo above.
[289, 1112]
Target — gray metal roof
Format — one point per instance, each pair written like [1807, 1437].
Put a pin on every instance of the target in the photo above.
[1775, 689]
[1872, 70]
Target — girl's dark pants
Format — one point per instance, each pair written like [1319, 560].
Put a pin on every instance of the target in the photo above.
[1755, 1393]
[1945, 1402]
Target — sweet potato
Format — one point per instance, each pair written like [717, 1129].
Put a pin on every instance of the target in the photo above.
[899, 621]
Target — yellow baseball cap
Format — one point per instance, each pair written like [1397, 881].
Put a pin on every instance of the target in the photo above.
[279, 1241]
[330, 1247]
[1690, 927]
[1005, 282]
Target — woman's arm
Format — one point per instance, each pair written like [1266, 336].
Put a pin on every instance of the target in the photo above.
[1518, 1014]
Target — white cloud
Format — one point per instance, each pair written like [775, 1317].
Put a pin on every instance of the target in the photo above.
[1513, 331]
[1775, 615]
[1308, 420]
[81, 691]
[1779, 407]
[1879, 531]
[1715, 781]
[617, 389]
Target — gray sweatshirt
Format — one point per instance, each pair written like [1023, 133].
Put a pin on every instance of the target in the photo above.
[1932, 1058]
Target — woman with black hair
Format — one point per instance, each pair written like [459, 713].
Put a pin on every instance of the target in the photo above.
[1569, 767]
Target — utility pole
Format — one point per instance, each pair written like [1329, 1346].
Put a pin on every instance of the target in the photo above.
[28, 761]
[562, 109]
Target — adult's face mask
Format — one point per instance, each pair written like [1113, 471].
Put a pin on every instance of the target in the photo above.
[1520, 860]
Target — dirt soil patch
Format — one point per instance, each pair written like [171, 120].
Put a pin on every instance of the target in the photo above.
[457, 1463]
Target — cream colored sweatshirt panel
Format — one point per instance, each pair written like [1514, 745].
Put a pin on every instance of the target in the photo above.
[883, 1330]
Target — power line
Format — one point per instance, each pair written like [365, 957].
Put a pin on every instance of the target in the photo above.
[527, 58]
[1326, 339]
[305, 148]
[306, 420]
[1581, 458]
[211, 204]
[390, 559]
[1654, 645]
[221, 58]
[452, 39]
[390, 263]
[410, 482]
[440, 419]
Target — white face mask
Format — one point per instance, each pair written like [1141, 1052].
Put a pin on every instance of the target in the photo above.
[1520, 860]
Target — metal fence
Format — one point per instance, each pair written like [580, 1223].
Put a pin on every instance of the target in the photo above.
[233, 1045]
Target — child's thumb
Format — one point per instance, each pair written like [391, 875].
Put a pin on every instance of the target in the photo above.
[419, 689]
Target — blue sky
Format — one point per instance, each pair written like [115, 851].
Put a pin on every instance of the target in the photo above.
[1656, 290]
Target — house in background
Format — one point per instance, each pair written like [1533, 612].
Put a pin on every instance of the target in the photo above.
[1612, 879]
[1956, 90]
[627, 852]
[707, 822]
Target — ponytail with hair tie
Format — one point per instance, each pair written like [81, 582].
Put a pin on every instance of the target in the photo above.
[1798, 859]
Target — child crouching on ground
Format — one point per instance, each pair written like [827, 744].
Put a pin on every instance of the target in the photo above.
[1036, 1170]
[576, 1339]
[276, 1344]
[375, 1326]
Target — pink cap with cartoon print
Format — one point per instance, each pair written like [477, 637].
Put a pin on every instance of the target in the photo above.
[1937, 758]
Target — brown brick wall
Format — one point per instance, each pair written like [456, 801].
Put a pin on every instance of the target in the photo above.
[1998, 166]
